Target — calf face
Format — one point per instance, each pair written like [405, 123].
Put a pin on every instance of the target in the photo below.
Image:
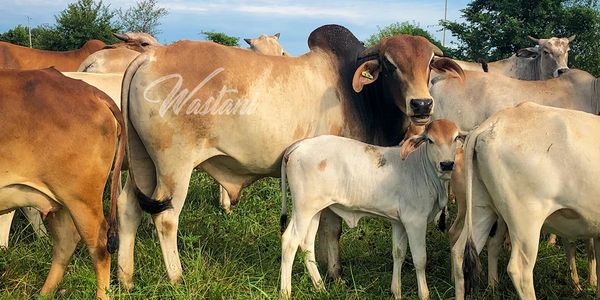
[265, 44]
[443, 139]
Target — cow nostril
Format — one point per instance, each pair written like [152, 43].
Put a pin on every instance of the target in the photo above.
[420, 103]
[447, 165]
[562, 71]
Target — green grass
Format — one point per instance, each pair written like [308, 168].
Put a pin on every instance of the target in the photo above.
[237, 256]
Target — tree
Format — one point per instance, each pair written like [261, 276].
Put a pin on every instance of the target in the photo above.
[143, 17]
[221, 38]
[400, 28]
[82, 21]
[18, 36]
[496, 29]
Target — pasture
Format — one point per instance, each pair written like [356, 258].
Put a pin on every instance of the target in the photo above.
[237, 256]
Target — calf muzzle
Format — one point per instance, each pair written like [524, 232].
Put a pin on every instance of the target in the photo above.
[447, 165]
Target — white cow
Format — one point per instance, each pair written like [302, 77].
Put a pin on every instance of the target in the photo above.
[354, 180]
[533, 167]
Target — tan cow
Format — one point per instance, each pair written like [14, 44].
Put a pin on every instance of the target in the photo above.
[533, 167]
[266, 44]
[58, 145]
[233, 113]
[549, 59]
[19, 57]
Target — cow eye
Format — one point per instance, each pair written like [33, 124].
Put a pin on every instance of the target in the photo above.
[145, 44]
[429, 141]
[546, 52]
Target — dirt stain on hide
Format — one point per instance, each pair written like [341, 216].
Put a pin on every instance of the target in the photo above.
[377, 156]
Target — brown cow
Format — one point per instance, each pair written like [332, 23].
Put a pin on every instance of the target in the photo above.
[19, 57]
[58, 145]
[233, 113]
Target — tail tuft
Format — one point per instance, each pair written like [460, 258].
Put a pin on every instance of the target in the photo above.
[283, 222]
[471, 268]
[442, 221]
[113, 238]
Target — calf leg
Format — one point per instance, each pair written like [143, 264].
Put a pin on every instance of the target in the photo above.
[5, 222]
[399, 243]
[64, 239]
[309, 246]
[597, 254]
[416, 231]
[224, 199]
[130, 215]
[328, 250]
[494, 245]
[593, 277]
[571, 255]
[290, 240]
[33, 216]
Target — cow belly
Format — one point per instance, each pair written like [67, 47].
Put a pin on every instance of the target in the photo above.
[18, 195]
[569, 223]
[351, 217]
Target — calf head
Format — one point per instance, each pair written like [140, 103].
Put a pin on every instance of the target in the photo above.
[266, 44]
[553, 54]
[404, 62]
[442, 139]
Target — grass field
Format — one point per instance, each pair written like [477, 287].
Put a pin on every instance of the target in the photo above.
[237, 257]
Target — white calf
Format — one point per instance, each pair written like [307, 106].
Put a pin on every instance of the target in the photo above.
[354, 180]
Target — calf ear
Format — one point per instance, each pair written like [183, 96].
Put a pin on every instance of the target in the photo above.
[462, 136]
[444, 64]
[277, 35]
[410, 145]
[571, 38]
[530, 52]
[366, 73]
[122, 36]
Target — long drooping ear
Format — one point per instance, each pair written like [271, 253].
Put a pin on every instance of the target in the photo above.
[366, 73]
[122, 36]
[410, 145]
[571, 38]
[249, 41]
[277, 35]
[530, 52]
[444, 64]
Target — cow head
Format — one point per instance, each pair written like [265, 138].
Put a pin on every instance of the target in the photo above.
[442, 138]
[266, 44]
[137, 41]
[553, 54]
[404, 63]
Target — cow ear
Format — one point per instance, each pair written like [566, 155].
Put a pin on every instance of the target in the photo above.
[249, 41]
[571, 38]
[462, 136]
[408, 146]
[277, 35]
[122, 36]
[530, 52]
[366, 73]
[444, 64]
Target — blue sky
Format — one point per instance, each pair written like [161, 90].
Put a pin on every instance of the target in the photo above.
[293, 19]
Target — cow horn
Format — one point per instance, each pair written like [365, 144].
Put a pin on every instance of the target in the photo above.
[537, 41]
[571, 38]
[437, 51]
[122, 36]
[277, 35]
[249, 41]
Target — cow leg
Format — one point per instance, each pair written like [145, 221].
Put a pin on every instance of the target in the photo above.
[176, 184]
[130, 215]
[524, 236]
[494, 245]
[294, 234]
[328, 249]
[64, 238]
[5, 222]
[416, 231]
[91, 225]
[308, 245]
[34, 218]
[593, 275]
[224, 199]
[597, 254]
[571, 255]
[399, 243]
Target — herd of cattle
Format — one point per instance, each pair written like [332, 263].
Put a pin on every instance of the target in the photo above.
[391, 131]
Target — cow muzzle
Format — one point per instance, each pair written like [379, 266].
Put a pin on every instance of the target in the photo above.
[447, 165]
[421, 111]
[560, 71]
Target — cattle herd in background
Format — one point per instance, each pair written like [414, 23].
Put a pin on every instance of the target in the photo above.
[357, 131]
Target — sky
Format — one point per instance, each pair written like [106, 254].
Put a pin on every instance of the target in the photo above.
[246, 19]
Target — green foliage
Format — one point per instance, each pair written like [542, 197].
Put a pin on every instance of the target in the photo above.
[400, 28]
[221, 38]
[496, 29]
[18, 35]
[143, 17]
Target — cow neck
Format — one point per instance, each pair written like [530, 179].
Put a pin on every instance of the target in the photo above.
[423, 172]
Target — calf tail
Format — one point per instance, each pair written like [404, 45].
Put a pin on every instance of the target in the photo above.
[283, 218]
[471, 268]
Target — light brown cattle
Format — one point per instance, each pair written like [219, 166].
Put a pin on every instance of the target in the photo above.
[266, 44]
[233, 113]
[19, 57]
[58, 144]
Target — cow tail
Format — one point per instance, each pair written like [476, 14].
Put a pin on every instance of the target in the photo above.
[471, 264]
